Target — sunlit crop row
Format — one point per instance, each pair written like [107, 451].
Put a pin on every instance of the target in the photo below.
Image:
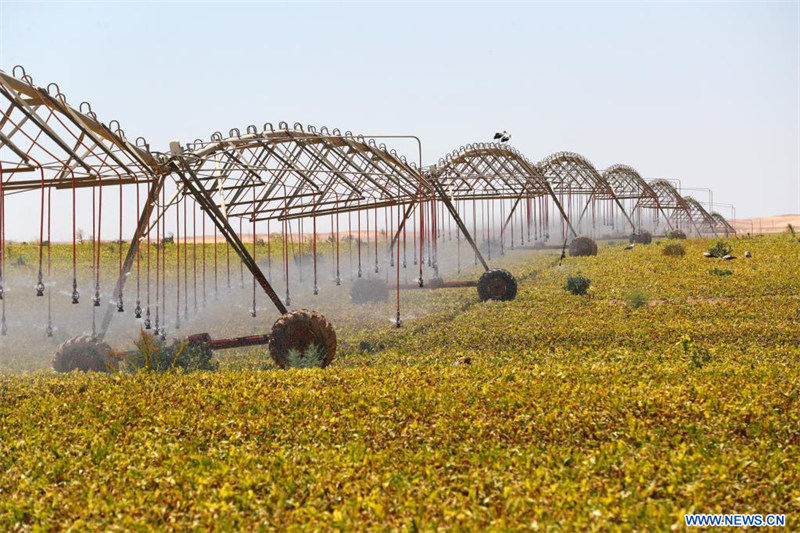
[575, 412]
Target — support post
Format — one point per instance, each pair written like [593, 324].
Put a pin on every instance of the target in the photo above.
[221, 221]
[460, 223]
[406, 215]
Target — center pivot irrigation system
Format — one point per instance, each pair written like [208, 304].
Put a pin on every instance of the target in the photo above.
[289, 182]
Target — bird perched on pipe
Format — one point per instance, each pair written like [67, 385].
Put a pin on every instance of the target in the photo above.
[503, 136]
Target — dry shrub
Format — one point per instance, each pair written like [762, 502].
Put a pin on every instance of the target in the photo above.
[582, 246]
[674, 250]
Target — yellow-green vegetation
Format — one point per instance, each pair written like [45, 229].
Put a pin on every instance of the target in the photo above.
[576, 412]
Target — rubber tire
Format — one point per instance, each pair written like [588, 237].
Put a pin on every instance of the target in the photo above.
[86, 354]
[498, 285]
[369, 290]
[299, 329]
[644, 237]
[582, 246]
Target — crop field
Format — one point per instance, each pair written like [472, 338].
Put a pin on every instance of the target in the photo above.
[671, 386]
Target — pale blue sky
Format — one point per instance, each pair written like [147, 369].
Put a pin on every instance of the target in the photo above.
[708, 94]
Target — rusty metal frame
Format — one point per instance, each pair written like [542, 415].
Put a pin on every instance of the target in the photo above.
[286, 173]
[67, 147]
[289, 173]
[573, 175]
[723, 224]
[493, 171]
[628, 184]
[704, 222]
[671, 201]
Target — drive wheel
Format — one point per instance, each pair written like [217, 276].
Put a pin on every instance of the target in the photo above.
[302, 339]
[86, 354]
[497, 285]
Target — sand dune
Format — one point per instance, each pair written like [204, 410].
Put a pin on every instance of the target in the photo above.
[771, 224]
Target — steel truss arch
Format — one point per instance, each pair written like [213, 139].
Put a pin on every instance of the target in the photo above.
[702, 218]
[45, 142]
[571, 174]
[488, 171]
[671, 201]
[723, 224]
[288, 173]
[293, 172]
[492, 171]
[628, 184]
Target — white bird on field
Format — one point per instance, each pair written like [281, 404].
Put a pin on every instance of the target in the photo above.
[629, 247]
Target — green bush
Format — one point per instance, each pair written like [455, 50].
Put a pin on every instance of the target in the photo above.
[720, 249]
[636, 298]
[674, 250]
[313, 357]
[577, 284]
[155, 354]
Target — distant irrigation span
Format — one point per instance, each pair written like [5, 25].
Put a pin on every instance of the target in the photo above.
[299, 186]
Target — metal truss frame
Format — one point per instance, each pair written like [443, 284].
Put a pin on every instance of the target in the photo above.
[285, 173]
[628, 184]
[571, 174]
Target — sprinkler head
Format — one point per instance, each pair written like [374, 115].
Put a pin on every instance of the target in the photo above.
[1, 292]
[49, 330]
[120, 306]
[316, 290]
[147, 323]
[397, 322]
[359, 271]
[40, 288]
[75, 296]
[420, 281]
[96, 299]
[338, 282]
[137, 312]
[253, 312]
